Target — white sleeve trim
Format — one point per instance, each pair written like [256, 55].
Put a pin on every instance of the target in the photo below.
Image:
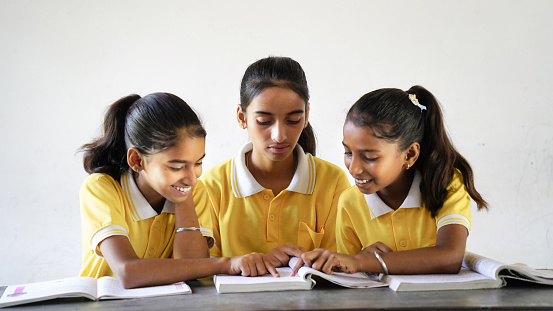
[453, 219]
[106, 233]
[208, 234]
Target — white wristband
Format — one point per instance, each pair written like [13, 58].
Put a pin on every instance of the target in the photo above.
[381, 262]
[187, 229]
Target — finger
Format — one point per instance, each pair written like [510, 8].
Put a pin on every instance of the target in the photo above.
[271, 268]
[383, 248]
[252, 266]
[260, 265]
[297, 267]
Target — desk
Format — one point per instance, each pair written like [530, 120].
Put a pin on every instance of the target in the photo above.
[325, 296]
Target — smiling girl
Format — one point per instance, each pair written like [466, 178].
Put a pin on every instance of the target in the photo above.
[409, 211]
[138, 220]
[274, 196]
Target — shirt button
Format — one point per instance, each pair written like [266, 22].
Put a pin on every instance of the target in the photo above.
[266, 197]
[272, 217]
[402, 243]
[398, 215]
[156, 224]
[152, 251]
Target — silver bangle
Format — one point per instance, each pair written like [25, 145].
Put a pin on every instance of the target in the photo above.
[381, 262]
[187, 229]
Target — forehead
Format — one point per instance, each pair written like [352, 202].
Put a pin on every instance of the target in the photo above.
[276, 100]
[362, 138]
[189, 149]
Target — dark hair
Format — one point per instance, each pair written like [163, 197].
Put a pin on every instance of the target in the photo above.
[281, 72]
[391, 115]
[151, 124]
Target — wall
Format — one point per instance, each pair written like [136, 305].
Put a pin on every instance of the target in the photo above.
[63, 62]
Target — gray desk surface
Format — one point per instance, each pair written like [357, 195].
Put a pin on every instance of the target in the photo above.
[325, 296]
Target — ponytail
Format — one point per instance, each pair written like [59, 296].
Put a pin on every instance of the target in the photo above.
[307, 140]
[151, 124]
[439, 158]
[108, 153]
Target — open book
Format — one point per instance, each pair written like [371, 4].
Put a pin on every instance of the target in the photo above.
[106, 287]
[302, 281]
[478, 272]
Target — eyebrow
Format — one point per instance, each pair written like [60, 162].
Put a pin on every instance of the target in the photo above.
[288, 114]
[184, 161]
[363, 150]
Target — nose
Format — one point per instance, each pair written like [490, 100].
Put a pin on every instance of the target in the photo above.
[354, 166]
[190, 177]
[278, 133]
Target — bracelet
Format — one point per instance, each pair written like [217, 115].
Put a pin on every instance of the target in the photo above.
[381, 262]
[187, 229]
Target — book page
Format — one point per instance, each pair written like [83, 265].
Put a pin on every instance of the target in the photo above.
[482, 265]
[62, 288]
[110, 288]
[353, 280]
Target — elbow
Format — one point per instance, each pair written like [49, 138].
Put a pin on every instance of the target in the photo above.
[453, 263]
[129, 275]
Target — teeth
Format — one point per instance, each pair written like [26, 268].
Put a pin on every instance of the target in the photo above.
[362, 181]
[182, 189]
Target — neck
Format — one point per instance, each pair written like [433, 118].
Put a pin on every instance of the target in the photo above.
[274, 175]
[397, 192]
[155, 200]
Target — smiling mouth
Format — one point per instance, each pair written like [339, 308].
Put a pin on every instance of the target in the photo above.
[361, 181]
[182, 190]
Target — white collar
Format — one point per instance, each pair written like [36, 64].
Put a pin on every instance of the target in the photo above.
[244, 184]
[140, 208]
[378, 208]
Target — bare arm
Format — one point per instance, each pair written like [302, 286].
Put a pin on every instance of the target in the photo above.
[188, 244]
[136, 272]
[445, 257]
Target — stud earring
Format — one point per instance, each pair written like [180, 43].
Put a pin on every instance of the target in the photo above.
[407, 166]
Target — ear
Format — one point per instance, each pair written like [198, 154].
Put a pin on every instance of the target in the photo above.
[412, 154]
[135, 159]
[241, 117]
[307, 114]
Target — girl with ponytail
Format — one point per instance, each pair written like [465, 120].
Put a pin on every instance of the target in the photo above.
[409, 211]
[138, 219]
[275, 196]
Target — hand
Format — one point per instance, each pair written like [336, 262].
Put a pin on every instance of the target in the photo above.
[378, 247]
[327, 262]
[252, 264]
[280, 255]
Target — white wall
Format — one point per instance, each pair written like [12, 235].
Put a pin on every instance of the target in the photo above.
[63, 62]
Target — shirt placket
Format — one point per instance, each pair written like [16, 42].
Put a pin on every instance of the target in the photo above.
[273, 216]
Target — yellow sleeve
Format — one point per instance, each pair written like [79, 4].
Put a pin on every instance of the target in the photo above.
[207, 216]
[347, 240]
[101, 206]
[329, 238]
[456, 207]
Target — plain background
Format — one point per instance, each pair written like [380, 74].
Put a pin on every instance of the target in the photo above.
[63, 62]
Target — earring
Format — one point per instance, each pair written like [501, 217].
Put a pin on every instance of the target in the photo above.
[407, 166]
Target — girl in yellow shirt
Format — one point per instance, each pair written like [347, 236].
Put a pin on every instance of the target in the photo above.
[138, 219]
[409, 211]
[275, 196]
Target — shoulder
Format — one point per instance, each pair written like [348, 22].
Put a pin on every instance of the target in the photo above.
[457, 182]
[99, 180]
[352, 195]
[216, 173]
[326, 168]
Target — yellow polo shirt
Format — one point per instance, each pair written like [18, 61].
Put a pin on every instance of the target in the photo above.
[365, 219]
[245, 217]
[111, 208]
